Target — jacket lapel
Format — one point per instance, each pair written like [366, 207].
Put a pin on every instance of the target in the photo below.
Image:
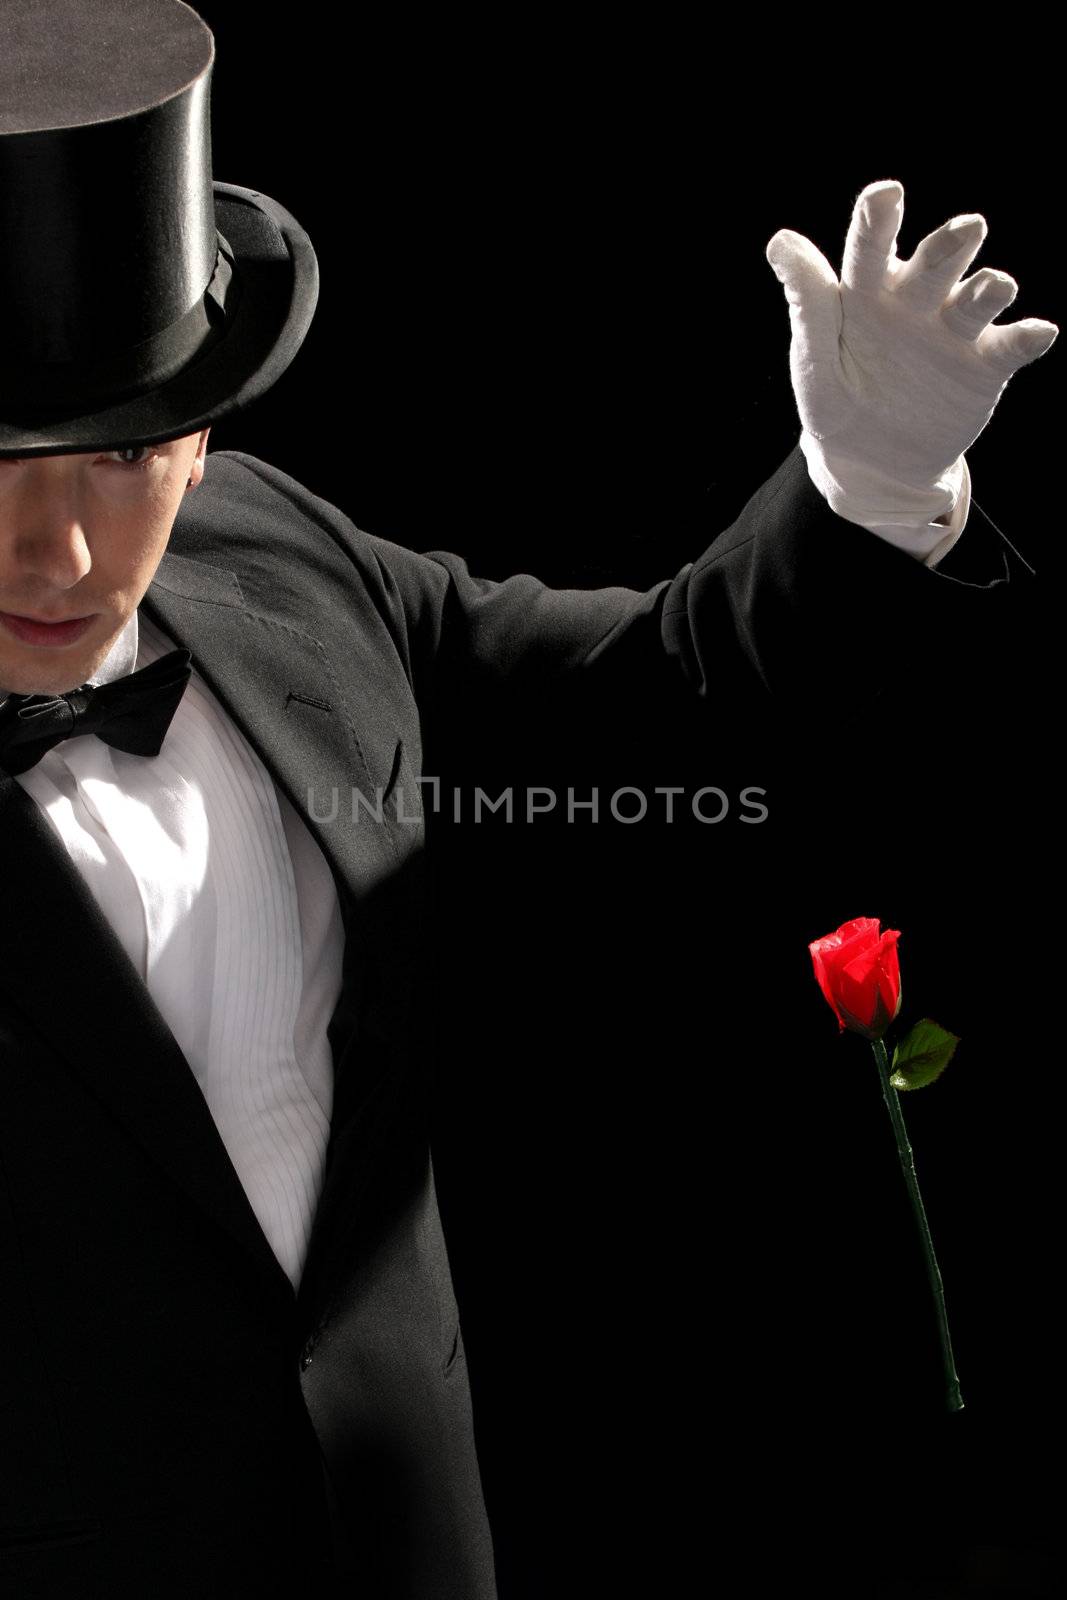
[320, 739]
[276, 681]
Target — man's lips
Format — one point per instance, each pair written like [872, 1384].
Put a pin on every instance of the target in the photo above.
[30, 630]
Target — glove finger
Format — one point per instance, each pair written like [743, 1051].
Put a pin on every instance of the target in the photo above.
[813, 293]
[972, 304]
[939, 261]
[871, 239]
[1012, 345]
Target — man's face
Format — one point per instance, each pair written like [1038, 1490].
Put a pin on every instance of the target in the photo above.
[81, 536]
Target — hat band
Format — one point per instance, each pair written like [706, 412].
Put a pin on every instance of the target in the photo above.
[72, 386]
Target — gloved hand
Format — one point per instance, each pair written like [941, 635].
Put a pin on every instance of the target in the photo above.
[896, 369]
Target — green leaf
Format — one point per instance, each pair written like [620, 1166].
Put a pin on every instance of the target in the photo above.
[922, 1055]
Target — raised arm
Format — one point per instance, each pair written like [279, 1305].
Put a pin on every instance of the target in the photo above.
[896, 369]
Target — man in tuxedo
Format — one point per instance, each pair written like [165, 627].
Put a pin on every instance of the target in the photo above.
[234, 1356]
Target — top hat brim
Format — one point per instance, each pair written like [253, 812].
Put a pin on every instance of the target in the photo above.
[277, 290]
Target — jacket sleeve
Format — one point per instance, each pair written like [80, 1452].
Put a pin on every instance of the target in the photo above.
[790, 620]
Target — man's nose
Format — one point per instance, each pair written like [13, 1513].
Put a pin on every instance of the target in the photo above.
[54, 551]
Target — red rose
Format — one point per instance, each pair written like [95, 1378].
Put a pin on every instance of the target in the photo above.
[858, 972]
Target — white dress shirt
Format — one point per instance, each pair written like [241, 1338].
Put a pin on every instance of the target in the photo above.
[228, 910]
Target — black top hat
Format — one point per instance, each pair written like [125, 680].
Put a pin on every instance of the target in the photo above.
[141, 302]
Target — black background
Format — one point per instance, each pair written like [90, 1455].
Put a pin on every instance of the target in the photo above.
[548, 339]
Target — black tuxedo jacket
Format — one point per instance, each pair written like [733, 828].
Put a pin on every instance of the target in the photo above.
[175, 1420]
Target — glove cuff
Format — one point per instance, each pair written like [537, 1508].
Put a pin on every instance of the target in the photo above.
[867, 495]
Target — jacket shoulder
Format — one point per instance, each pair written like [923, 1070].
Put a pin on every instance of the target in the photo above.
[245, 502]
[257, 520]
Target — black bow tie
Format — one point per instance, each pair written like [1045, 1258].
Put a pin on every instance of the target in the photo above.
[131, 713]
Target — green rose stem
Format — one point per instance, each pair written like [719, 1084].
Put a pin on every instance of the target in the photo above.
[907, 1162]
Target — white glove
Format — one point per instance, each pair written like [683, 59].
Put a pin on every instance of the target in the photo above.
[897, 368]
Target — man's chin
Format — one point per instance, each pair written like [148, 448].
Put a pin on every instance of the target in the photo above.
[45, 671]
[41, 682]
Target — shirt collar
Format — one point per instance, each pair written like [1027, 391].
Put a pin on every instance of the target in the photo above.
[121, 658]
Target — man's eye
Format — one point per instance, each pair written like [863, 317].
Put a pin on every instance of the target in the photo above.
[135, 450]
